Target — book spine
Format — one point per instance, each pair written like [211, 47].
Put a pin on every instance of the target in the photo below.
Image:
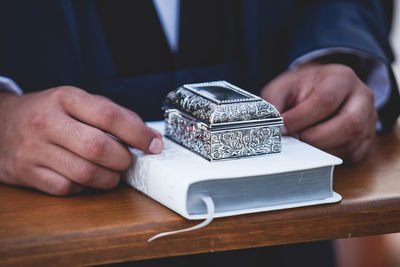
[149, 177]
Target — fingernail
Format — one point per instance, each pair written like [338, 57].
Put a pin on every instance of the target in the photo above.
[156, 146]
[283, 129]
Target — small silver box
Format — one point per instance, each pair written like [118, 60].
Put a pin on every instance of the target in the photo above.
[218, 121]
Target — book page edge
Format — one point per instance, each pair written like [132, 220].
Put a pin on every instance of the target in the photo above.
[333, 199]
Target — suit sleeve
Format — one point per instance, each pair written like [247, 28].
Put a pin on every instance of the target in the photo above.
[357, 25]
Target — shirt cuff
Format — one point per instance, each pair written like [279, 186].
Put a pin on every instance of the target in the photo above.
[377, 78]
[9, 85]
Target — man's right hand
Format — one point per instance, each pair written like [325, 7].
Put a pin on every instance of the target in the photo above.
[56, 140]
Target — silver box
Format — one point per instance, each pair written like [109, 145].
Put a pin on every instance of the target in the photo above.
[218, 121]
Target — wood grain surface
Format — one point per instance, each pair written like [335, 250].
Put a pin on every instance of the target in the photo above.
[99, 227]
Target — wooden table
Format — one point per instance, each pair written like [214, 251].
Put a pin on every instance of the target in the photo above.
[104, 227]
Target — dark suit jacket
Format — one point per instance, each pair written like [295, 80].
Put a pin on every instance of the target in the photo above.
[118, 49]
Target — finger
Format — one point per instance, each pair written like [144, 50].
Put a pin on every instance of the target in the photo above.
[355, 150]
[89, 143]
[356, 120]
[101, 113]
[279, 92]
[49, 181]
[352, 153]
[319, 105]
[78, 169]
[158, 134]
[361, 151]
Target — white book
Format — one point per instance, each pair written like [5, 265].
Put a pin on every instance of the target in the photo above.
[301, 175]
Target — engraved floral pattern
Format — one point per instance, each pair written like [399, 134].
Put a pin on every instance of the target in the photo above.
[224, 144]
[184, 132]
[211, 112]
[215, 143]
[246, 142]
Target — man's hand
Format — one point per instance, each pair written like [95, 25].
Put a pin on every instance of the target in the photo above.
[56, 140]
[328, 106]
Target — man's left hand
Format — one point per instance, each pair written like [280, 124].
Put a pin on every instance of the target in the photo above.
[327, 106]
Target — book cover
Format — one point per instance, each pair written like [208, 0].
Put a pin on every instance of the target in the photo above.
[301, 175]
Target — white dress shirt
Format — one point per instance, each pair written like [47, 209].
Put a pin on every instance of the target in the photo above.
[168, 13]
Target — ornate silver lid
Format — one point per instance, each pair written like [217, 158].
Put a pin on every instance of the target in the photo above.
[220, 102]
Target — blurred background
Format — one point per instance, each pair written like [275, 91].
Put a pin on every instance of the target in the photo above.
[381, 250]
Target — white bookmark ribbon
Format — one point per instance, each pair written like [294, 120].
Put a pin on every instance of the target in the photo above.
[210, 216]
